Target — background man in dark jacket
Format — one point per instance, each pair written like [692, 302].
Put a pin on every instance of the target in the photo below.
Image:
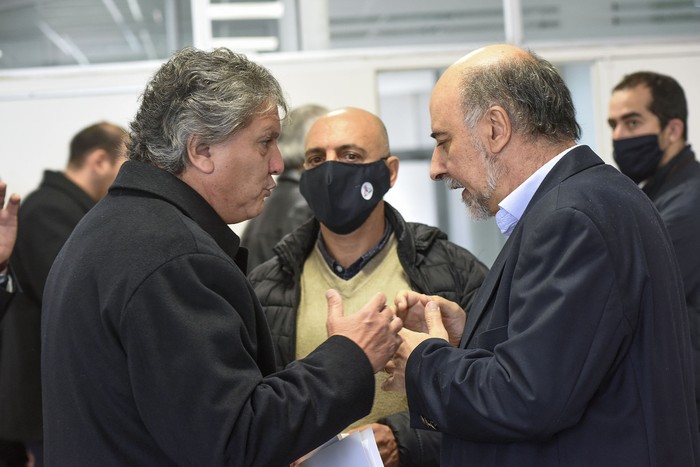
[649, 119]
[358, 244]
[46, 219]
[285, 209]
[8, 236]
[576, 351]
[156, 351]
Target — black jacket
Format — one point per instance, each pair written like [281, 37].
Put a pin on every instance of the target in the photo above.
[675, 191]
[434, 266]
[156, 351]
[46, 218]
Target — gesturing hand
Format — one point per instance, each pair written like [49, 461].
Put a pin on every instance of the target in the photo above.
[396, 367]
[374, 328]
[8, 225]
[410, 307]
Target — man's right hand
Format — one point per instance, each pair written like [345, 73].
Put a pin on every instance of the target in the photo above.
[374, 328]
[410, 307]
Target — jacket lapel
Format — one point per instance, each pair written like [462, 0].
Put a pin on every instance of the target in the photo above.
[486, 291]
[580, 158]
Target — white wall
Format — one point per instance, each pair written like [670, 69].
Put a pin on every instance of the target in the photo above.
[40, 110]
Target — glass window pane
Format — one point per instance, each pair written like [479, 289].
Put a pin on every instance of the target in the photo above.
[370, 23]
[82, 32]
[600, 19]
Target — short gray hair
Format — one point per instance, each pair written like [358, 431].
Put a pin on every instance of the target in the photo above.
[532, 92]
[294, 129]
[209, 94]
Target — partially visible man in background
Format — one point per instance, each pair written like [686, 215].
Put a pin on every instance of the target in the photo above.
[649, 119]
[358, 244]
[8, 236]
[285, 209]
[46, 219]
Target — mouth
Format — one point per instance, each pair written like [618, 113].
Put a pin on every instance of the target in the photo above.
[453, 184]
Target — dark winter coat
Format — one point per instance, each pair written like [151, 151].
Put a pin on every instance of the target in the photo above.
[157, 352]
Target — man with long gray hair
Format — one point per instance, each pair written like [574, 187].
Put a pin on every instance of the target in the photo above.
[155, 348]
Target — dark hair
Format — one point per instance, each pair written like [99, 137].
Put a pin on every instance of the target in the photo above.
[667, 96]
[102, 135]
[209, 94]
[532, 92]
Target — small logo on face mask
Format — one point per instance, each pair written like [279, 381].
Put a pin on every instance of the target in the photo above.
[366, 190]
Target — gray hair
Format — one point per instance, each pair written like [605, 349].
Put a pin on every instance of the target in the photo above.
[532, 92]
[209, 94]
[294, 129]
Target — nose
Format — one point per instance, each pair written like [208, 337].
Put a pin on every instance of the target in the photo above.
[276, 162]
[437, 167]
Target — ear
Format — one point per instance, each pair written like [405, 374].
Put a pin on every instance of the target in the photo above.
[393, 163]
[674, 130]
[497, 128]
[199, 154]
[98, 161]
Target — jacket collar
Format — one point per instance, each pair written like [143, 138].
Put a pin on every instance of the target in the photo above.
[296, 246]
[675, 166]
[578, 160]
[143, 179]
[59, 181]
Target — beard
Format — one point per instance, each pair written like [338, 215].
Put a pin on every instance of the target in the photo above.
[478, 202]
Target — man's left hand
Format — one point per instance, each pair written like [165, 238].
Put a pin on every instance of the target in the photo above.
[396, 367]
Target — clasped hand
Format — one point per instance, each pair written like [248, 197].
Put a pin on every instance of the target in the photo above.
[423, 317]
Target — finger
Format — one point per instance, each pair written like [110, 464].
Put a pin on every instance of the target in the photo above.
[13, 204]
[433, 319]
[378, 303]
[388, 384]
[401, 299]
[396, 324]
[390, 367]
[3, 187]
[335, 304]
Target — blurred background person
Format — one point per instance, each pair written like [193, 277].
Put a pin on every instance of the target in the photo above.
[46, 219]
[285, 209]
[8, 236]
[648, 116]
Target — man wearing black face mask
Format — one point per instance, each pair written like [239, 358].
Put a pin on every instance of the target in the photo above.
[648, 115]
[358, 244]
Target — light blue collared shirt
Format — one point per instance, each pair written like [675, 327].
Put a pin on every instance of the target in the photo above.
[513, 205]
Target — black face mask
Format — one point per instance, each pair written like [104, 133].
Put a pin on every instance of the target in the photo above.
[343, 195]
[638, 157]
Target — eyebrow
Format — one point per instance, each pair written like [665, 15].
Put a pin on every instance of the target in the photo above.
[435, 134]
[344, 147]
[630, 115]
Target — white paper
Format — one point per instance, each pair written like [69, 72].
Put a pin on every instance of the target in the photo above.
[357, 449]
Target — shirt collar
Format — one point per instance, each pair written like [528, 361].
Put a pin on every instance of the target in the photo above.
[512, 207]
[352, 270]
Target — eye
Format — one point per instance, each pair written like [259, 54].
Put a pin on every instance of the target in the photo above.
[351, 157]
[442, 144]
[314, 161]
[632, 124]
